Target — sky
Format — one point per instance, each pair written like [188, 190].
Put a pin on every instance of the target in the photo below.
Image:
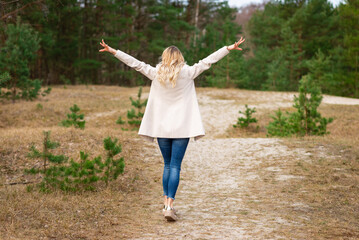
[240, 3]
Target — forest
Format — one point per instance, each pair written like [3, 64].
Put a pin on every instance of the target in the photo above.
[285, 40]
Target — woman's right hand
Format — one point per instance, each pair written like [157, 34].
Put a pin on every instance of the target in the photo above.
[107, 48]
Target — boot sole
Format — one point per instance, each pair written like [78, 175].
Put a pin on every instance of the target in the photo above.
[170, 216]
[164, 212]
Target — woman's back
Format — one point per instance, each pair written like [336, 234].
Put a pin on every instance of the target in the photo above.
[172, 111]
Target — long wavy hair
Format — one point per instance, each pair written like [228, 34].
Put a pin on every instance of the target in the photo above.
[170, 66]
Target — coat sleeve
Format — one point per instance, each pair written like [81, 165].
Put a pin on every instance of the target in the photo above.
[206, 63]
[139, 66]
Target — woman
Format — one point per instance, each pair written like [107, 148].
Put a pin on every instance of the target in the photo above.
[172, 114]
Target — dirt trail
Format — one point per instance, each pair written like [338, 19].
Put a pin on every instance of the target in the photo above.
[219, 177]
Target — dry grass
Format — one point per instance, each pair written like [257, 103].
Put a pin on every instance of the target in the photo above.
[104, 214]
[323, 200]
[319, 200]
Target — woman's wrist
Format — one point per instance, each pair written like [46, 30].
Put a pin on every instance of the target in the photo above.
[111, 50]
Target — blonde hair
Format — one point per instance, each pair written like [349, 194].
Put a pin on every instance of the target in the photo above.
[170, 66]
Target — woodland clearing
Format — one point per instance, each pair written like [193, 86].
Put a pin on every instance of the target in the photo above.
[235, 183]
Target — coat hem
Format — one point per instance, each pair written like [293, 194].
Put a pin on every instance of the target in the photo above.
[152, 139]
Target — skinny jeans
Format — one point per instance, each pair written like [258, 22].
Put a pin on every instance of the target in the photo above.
[173, 151]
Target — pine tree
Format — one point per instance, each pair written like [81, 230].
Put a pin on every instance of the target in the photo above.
[74, 119]
[120, 121]
[51, 163]
[279, 126]
[224, 31]
[46, 156]
[15, 57]
[58, 173]
[284, 36]
[306, 120]
[320, 70]
[113, 167]
[133, 117]
[285, 68]
[349, 74]
[244, 122]
[83, 175]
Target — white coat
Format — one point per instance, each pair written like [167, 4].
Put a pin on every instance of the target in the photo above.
[172, 112]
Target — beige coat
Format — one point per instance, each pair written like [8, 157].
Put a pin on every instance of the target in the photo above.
[172, 112]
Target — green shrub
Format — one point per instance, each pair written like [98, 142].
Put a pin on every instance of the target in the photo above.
[72, 176]
[120, 121]
[74, 119]
[39, 106]
[244, 122]
[306, 120]
[279, 126]
[134, 115]
[113, 168]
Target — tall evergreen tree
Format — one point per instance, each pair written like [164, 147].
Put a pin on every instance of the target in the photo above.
[15, 57]
[229, 71]
[349, 22]
[285, 35]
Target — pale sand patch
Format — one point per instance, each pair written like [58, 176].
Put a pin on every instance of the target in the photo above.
[217, 114]
[272, 99]
[286, 177]
[340, 100]
[99, 115]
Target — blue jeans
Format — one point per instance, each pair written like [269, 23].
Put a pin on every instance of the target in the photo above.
[173, 150]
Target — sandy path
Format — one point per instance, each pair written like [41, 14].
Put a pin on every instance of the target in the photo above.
[215, 179]
[218, 176]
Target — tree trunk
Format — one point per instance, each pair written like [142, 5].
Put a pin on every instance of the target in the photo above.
[196, 23]
[189, 19]
[227, 72]
[13, 94]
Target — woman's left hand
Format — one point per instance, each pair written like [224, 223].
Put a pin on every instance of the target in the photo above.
[236, 44]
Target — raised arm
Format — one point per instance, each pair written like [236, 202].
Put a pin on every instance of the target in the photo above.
[206, 63]
[132, 62]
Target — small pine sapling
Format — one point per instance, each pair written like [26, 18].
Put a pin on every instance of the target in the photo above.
[279, 126]
[244, 122]
[39, 106]
[74, 119]
[45, 154]
[120, 121]
[74, 176]
[133, 117]
[83, 174]
[306, 120]
[50, 162]
[113, 168]
[46, 92]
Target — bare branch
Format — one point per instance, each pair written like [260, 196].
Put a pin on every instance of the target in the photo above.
[20, 9]
[4, 3]
[15, 183]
